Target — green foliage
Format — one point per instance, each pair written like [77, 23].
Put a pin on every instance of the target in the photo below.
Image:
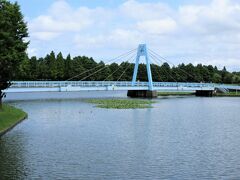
[15, 65]
[235, 78]
[216, 78]
[13, 31]
[60, 66]
[229, 94]
[83, 68]
[10, 116]
[121, 103]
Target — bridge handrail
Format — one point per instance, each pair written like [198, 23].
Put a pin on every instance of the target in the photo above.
[51, 84]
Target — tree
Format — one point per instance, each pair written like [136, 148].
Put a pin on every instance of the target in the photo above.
[78, 71]
[142, 72]
[67, 67]
[60, 66]
[228, 78]
[52, 65]
[103, 72]
[13, 31]
[224, 73]
[42, 71]
[115, 71]
[217, 78]
[24, 70]
[236, 78]
[165, 73]
[190, 71]
[33, 68]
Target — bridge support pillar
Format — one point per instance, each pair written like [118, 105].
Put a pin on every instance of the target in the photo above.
[204, 93]
[142, 51]
[142, 93]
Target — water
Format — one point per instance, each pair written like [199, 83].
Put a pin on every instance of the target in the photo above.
[180, 138]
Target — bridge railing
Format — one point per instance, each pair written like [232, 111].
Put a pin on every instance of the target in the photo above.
[52, 84]
[49, 84]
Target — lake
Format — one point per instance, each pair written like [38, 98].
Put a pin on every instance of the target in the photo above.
[66, 138]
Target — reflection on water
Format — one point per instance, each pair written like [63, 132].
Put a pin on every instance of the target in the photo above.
[180, 138]
[12, 150]
[64, 95]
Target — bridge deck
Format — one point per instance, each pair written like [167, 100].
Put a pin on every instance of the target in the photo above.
[27, 84]
[40, 86]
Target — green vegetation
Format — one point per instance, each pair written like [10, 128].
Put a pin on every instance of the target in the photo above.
[57, 67]
[9, 116]
[121, 103]
[176, 93]
[13, 31]
[229, 94]
[16, 65]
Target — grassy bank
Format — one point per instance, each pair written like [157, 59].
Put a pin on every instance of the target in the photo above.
[228, 94]
[9, 117]
[175, 93]
[121, 103]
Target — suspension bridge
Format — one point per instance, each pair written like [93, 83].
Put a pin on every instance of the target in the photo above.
[134, 87]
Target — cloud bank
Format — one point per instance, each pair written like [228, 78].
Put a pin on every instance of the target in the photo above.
[205, 33]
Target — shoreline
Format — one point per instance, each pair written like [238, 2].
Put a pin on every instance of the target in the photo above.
[231, 94]
[175, 94]
[13, 122]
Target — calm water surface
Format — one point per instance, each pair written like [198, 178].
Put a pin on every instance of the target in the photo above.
[67, 138]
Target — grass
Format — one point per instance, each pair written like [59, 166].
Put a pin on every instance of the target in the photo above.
[228, 94]
[121, 103]
[9, 117]
[175, 93]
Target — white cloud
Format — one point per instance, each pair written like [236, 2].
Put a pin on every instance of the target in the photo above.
[45, 36]
[115, 39]
[145, 11]
[161, 26]
[32, 52]
[203, 33]
[219, 16]
[61, 18]
[52, 24]
[231, 63]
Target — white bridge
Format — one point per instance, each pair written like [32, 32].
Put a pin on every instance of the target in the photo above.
[64, 86]
[134, 85]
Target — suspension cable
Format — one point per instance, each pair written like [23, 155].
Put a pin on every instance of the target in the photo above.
[118, 68]
[158, 75]
[158, 60]
[120, 56]
[152, 56]
[124, 72]
[172, 77]
[173, 65]
[99, 70]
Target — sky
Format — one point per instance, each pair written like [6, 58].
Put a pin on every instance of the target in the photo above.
[182, 31]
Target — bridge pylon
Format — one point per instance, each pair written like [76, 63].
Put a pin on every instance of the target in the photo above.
[143, 52]
[150, 93]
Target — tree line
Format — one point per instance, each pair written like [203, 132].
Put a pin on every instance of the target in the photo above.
[55, 67]
[16, 65]
[13, 31]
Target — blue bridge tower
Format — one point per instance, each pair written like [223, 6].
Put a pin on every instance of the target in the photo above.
[142, 52]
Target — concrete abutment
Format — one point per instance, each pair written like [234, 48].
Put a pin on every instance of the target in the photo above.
[205, 93]
[142, 93]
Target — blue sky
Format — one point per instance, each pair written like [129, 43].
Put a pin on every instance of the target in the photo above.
[37, 7]
[189, 31]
